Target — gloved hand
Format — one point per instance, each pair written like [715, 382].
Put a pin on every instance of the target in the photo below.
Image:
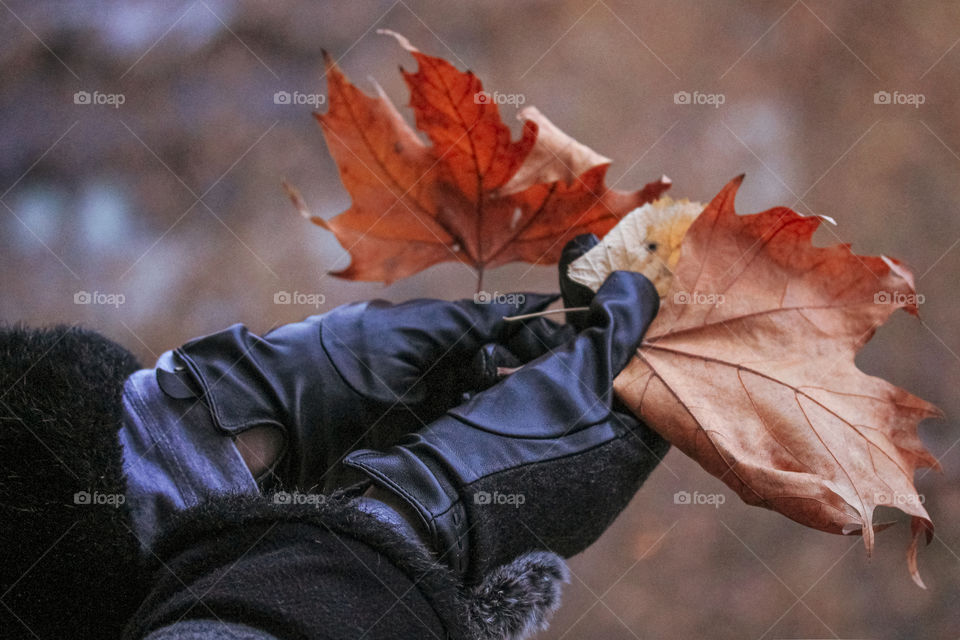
[539, 461]
[361, 375]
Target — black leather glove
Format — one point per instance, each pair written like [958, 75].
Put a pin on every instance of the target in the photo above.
[574, 293]
[361, 375]
[540, 460]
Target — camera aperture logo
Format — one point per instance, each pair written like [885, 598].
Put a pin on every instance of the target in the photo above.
[710, 99]
[97, 98]
[299, 298]
[897, 97]
[485, 97]
[299, 99]
[496, 498]
[111, 299]
[284, 497]
[95, 498]
[713, 499]
[495, 297]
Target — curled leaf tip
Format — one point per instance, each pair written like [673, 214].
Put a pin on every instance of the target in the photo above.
[297, 199]
[918, 527]
[399, 38]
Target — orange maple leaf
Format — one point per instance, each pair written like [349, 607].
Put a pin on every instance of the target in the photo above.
[749, 369]
[473, 195]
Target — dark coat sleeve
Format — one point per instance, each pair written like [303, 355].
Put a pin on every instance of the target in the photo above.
[296, 580]
[329, 570]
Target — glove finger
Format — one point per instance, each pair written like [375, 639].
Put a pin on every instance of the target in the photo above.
[571, 388]
[577, 247]
[575, 294]
[537, 336]
[384, 349]
[488, 364]
[451, 383]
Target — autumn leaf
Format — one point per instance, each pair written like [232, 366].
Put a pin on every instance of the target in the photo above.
[473, 194]
[749, 369]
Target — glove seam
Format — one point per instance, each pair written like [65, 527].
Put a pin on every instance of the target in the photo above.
[567, 456]
[336, 367]
[355, 461]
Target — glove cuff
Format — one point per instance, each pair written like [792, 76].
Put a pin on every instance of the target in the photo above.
[426, 488]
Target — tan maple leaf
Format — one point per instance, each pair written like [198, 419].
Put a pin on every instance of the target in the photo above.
[749, 369]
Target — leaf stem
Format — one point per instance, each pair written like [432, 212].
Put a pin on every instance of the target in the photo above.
[538, 314]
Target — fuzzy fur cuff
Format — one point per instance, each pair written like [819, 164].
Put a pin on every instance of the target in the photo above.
[517, 599]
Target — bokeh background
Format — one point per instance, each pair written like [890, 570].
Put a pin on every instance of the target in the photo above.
[173, 200]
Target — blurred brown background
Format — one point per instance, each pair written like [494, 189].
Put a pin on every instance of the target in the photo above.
[172, 200]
